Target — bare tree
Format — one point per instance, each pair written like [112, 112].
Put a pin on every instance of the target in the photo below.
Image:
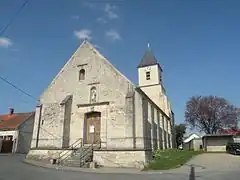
[210, 114]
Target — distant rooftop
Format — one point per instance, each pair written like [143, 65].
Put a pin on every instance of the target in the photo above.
[12, 120]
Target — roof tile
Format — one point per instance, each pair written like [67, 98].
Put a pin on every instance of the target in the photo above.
[11, 122]
[148, 59]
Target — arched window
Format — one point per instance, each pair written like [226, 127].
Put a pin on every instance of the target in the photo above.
[81, 74]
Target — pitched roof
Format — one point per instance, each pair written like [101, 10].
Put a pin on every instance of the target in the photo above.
[230, 131]
[191, 137]
[11, 122]
[148, 59]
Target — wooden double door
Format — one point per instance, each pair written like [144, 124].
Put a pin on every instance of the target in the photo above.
[92, 128]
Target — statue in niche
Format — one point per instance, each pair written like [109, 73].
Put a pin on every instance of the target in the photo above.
[93, 94]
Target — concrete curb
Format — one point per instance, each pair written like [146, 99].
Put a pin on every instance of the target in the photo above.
[35, 163]
[96, 171]
[74, 169]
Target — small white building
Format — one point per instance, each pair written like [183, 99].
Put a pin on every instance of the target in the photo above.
[216, 142]
[193, 142]
[16, 132]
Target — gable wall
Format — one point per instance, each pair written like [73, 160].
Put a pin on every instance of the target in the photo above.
[111, 86]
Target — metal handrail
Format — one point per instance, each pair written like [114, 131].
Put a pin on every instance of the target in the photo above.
[86, 151]
[72, 147]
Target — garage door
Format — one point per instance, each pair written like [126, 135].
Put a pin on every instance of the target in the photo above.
[7, 146]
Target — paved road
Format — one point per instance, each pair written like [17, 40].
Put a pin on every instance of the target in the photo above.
[214, 166]
[213, 162]
[12, 168]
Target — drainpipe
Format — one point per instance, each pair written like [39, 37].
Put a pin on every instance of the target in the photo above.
[39, 123]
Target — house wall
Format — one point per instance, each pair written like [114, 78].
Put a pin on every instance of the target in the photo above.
[188, 145]
[25, 132]
[217, 143]
[194, 144]
[197, 143]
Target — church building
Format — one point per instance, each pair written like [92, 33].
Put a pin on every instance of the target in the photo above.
[91, 112]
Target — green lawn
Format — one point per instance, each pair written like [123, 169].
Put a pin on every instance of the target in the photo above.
[171, 158]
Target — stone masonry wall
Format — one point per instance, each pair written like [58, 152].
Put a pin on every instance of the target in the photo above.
[110, 84]
[49, 132]
[135, 159]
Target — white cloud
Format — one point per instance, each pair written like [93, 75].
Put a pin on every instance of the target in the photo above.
[113, 35]
[101, 20]
[110, 11]
[5, 42]
[83, 34]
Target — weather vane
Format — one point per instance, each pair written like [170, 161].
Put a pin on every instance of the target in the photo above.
[148, 44]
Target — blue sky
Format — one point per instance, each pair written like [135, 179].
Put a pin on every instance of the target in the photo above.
[196, 42]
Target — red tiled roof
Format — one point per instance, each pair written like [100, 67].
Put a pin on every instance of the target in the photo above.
[230, 131]
[11, 122]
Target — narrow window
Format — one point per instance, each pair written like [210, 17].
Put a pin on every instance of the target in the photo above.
[147, 75]
[93, 94]
[81, 74]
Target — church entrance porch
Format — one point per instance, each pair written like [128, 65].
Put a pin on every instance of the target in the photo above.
[92, 128]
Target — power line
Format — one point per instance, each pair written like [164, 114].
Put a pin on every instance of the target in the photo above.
[4, 29]
[17, 88]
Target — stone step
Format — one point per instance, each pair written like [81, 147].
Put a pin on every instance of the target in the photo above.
[75, 163]
[83, 165]
[72, 164]
[82, 152]
[79, 159]
[83, 155]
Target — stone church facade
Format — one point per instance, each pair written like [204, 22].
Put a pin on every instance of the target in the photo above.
[91, 100]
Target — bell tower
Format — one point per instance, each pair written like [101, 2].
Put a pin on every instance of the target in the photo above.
[149, 71]
[150, 80]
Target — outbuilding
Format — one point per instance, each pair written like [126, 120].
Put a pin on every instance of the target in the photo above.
[16, 132]
[193, 142]
[216, 142]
